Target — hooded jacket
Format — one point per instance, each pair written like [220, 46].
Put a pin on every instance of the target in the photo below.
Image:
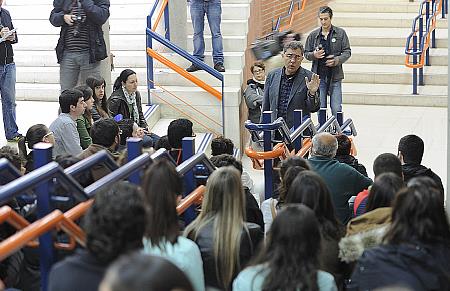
[414, 265]
[413, 170]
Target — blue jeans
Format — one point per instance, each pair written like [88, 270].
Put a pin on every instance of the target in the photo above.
[335, 95]
[213, 11]
[75, 68]
[8, 95]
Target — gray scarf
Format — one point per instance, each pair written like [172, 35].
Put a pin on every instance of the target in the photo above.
[131, 100]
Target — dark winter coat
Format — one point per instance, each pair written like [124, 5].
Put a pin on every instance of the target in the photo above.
[117, 104]
[6, 50]
[412, 170]
[97, 13]
[352, 162]
[253, 96]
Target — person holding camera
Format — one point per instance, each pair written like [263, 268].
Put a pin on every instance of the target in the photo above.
[8, 75]
[328, 48]
[81, 45]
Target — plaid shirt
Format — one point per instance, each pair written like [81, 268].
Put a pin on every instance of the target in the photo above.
[285, 91]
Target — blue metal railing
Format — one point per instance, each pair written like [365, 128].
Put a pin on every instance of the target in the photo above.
[153, 35]
[422, 35]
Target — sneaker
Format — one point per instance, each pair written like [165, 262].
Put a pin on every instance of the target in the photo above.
[193, 68]
[16, 138]
[219, 67]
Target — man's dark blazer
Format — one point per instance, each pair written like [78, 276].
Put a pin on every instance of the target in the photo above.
[298, 98]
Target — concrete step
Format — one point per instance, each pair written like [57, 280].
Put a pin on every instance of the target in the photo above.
[370, 6]
[394, 94]
[230, 43]
[231, 11]
[392, 74]
[50, 75]
[386, 37]
[391, 55]
[227, 27]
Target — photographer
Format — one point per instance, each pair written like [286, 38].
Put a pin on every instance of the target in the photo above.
[81, 45]
[328, 48]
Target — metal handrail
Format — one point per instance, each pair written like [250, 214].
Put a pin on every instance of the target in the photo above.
[190, 163]
[291, 13]
[101, 157]
[5, 165]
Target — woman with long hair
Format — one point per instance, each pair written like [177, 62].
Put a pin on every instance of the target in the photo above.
[35, 134]
[162, 188]
[367, 230]
[416, 249]
[288, 171]
[84, 122]
[226, 242]
[100, 107]
[290, 258]
[309, 189]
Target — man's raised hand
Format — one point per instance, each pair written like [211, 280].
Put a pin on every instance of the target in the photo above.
[313, 84]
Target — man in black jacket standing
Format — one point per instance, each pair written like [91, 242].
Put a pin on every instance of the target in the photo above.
[81, 45]
[8, 75]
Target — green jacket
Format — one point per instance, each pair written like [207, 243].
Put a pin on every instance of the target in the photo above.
[84, 129]
[343, 182]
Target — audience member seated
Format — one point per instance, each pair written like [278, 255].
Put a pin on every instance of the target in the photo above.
[368, 229]
[226, 242]
[310, 189]
[288, 172]
[221, 145]
[64, 128]
[163, 143]
[35, 134]
[416, 249]
[138, 272]
[100, 106]
[342, 180]
[114, 226]
[290, 258]
[84, 122]
[410, 153]
[252, 211]
[384, 163]
[343, 154]
[126, 100]
[105, 136]
[162, 188]
[177, 130]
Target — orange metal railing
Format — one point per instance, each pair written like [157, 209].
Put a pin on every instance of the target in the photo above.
[292, 15]
[28, 233]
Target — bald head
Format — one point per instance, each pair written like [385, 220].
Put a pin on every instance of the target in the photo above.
[324, 144]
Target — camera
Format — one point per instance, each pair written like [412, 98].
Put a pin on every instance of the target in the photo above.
[272, 45]
[78, 20]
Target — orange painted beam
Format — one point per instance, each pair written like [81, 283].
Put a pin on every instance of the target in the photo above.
[192, 198]
[183, 73]
[79, 210]
[160, 14]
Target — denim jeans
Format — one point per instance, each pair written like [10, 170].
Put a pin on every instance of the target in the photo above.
[8, 95]
[335, 95]
[75, 68]
[213, 11]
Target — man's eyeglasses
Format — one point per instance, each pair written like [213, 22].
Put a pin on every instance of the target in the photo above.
[293, 57]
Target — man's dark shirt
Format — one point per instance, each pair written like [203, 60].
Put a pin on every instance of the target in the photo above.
[285, 91]
[323, 70]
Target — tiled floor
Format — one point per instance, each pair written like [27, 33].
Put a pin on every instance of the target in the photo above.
[379, 129]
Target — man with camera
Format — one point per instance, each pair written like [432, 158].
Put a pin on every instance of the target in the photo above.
[291, 87]
[8, 75]
[328, 48]
[81, 45]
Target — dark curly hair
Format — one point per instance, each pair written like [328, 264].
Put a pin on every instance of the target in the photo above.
[221, 145]
[115, 223]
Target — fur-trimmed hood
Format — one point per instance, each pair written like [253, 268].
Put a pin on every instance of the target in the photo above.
[352, 247]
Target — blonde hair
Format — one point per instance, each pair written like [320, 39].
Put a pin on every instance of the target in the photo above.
[224, 205]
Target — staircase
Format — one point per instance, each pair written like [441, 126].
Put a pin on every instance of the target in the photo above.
[38, 71]
[376, 74]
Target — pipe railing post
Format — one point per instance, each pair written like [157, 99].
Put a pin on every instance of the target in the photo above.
[167, 22]
[340, 118]
[42, 155]
[268, 163]
[414, 62]
[188, 145]
[443, 8]
[150, 77]
[433, 33]
[322, 116]
[298, 118]
[134, 150]
[421, 82]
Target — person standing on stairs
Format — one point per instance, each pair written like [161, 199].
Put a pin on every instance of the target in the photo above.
[213, 11]
[328, 48]
[8, 76]
[81, 45]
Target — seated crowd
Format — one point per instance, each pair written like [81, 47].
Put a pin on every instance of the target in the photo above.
[396, 234]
